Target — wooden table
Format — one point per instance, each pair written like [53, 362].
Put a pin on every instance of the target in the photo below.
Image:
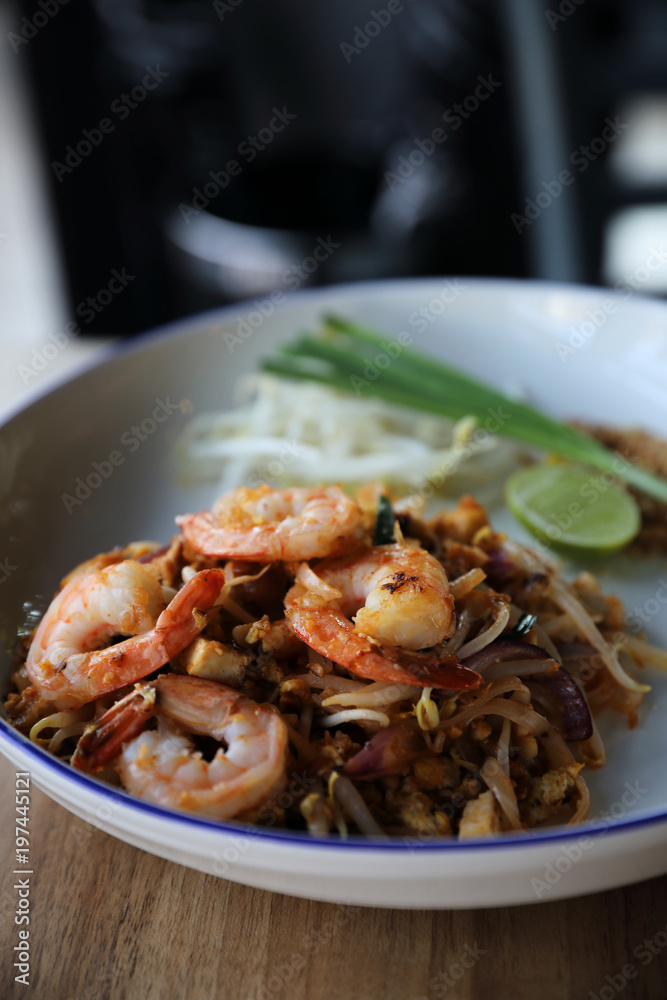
[109, 921]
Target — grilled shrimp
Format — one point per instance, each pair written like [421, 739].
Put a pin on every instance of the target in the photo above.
[269, 525]
[398, 597]
[161, 765]
[70, 661]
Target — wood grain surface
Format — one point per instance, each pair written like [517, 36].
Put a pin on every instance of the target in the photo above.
[109, 921]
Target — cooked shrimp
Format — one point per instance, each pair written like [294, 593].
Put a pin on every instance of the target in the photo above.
[399, 599]
[70, 661]
[271, 525]
[162, 766]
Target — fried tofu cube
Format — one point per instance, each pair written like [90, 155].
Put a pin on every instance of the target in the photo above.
[216, 661]
[481, 817]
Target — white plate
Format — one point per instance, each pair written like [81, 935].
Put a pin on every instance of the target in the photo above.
[506, 332]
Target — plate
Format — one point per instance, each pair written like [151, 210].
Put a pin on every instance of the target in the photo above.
[88, 467]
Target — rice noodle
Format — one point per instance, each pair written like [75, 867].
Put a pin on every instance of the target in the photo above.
[75, 729]
[566, 600]
[558, 752]
[416, 748]
[477, 707]
[520, 714]
[228, 602]
[468, 581]
[503, 751]
[553, 625]
[312, 582]
[235, 610]
[528, 560]
[354, 715]
[462, 628]
[306, 721]
[592, 751]
[304, 748]
[501, 617]
[499, 783]
[351, 800]
[369, 695]
[518, 668]
[58, 721]
[644, 652]
[330, 681]
[545, 642]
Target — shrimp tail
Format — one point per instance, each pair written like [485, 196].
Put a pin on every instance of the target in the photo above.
[330, 635]
[83, 677]
[102, 741]
[428, 670]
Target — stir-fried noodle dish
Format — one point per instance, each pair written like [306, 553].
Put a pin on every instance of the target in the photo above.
[303, 659]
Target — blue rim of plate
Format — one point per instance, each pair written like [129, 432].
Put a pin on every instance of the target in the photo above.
[296, 838]
[178, 328]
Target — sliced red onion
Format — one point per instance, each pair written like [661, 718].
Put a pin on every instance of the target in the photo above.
[388, 752]
[575, 722]
[503, 649]
[500, 565]
[575, 717]
[125, 719]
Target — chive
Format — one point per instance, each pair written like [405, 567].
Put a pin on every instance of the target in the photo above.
[343, 356]
[384, 522]
[523, 626]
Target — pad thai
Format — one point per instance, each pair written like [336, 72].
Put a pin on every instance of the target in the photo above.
[305, 659]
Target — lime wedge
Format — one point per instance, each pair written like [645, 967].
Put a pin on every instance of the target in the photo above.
[573, 507]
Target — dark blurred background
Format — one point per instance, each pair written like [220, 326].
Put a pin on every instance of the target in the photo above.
[207, 152]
